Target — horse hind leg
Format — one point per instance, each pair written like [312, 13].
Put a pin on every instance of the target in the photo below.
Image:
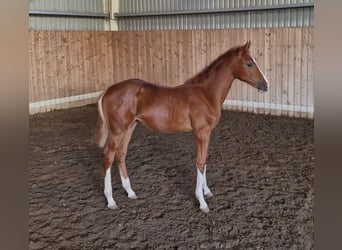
[108, 158]
[121, 156]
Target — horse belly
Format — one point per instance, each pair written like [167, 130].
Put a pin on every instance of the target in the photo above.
[169, 121]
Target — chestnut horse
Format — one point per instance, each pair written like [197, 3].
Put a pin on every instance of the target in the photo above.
[193, 106]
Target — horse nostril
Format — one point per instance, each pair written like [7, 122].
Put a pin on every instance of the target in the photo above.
[262, 87]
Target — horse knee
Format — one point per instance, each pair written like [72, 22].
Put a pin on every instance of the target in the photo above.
[120, 157]
[108, 160]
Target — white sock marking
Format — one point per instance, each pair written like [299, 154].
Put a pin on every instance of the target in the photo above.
[199, 192]
[206, 189]
[126, 184]
[108, 190]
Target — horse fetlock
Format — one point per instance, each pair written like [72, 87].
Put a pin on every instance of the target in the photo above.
[111, 202]
[126, 184]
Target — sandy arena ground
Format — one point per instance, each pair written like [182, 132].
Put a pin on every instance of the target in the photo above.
[260, 170]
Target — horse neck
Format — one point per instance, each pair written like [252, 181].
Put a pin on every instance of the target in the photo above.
[218, 85]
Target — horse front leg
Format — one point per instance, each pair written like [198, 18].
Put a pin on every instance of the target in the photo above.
[202, 143]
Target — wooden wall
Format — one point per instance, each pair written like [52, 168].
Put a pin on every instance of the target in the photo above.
[70, 68]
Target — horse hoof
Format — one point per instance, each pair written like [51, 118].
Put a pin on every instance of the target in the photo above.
[205, 209]
[209, 194]
[112, 206]
[133, 196]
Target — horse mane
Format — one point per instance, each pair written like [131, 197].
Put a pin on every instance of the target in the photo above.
[205, 73]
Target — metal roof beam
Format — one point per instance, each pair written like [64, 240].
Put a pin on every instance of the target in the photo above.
[67, 14]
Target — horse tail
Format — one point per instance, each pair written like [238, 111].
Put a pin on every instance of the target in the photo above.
[101, 126]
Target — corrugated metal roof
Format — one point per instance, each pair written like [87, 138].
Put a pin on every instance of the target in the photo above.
[65, 23]
[53, 22]
[162, 14]
[68, 5]
[155, 20]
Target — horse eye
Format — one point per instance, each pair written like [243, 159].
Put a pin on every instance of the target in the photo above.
[250, 64]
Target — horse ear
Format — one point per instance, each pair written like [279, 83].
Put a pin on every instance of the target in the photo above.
[244, 48]
[247, 45]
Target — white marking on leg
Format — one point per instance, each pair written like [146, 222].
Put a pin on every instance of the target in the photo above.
[126, 184]
[206, 190]
[199, 192]
[108, 190]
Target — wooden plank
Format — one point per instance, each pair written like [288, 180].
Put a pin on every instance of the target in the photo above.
[252, 93]
[93, 62]
[148, 60]
[122, 56]
[132, 55]
[261, 61]
[285, 68]
[168, 78]
[235, 36]
[32, 65]
[298, 69]
[243, 86]
[69, 63]
[173, 75]
[196, 63]
[273, 73]
[86, 74]
[141, 50]
[99, 62]
[243, 37]
[203, 49]
[279, 69]
[304, 72]
[51, 61]
[180, 52]
[268, 67]
[233, 95]
[75, 85]
[46, 67]
[211, 45]
[41, 85]
[176, 58]
[310, 69]
[36, 71]
[108, 52]
[157, 53]
[291, 71]
[187, 55]
[78, 71]
[190, 55]
[117, 68]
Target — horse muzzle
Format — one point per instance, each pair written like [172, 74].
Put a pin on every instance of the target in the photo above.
[262, 87]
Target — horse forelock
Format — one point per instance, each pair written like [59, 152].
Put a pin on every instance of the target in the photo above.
[205, 73]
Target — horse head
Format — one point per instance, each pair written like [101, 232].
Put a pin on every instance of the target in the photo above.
[246, 69]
